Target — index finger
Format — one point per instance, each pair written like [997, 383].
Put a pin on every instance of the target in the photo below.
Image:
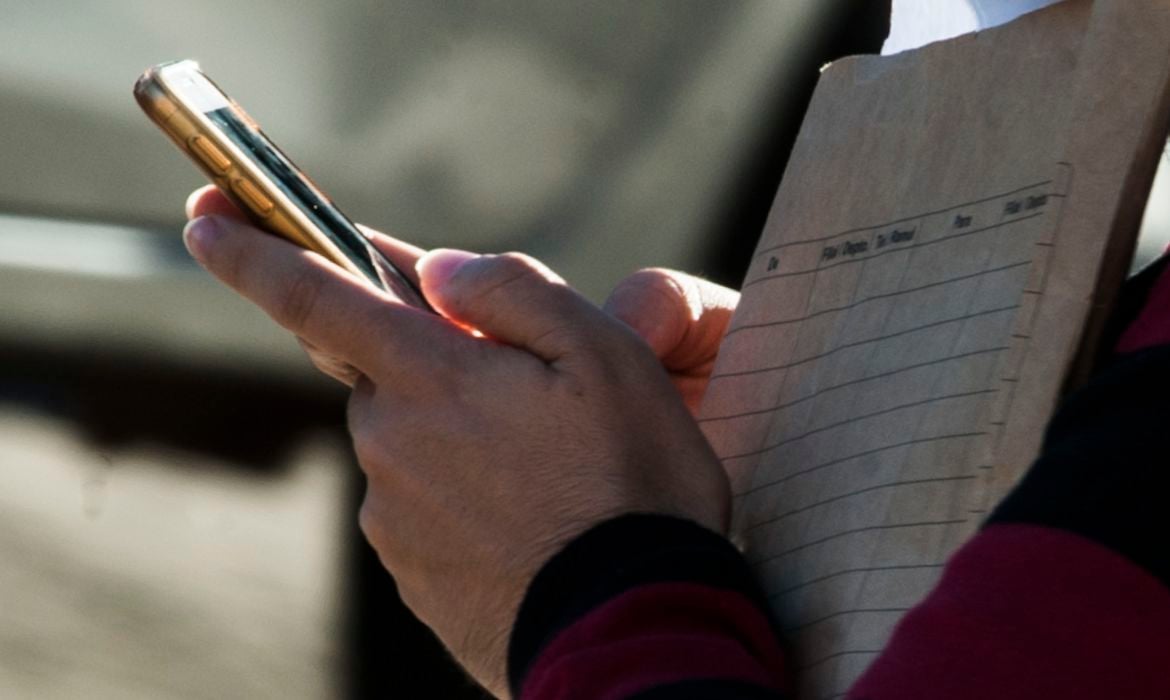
[210, 201]
[316, 300]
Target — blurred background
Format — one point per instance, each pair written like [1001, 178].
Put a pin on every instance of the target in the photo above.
[177, 497]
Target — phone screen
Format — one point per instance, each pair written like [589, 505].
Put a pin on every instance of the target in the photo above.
[284, 174]
[307, 216]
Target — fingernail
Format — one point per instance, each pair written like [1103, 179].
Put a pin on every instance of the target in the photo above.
[199, 235]
[439, 265]
[192, 199]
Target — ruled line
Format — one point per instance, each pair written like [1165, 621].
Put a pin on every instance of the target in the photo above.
[851, 494]
[854, 531]
[839, 654]
[842, 613]
[824, 390]
[845, 572]
[907, 218]
[876, 297]
[858, 418]
[858, 343]
[912, 246]
[857, 455]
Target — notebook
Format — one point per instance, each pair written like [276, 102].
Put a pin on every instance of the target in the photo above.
[953, 225]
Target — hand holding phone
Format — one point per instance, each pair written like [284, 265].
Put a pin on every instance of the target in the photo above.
[238, 157]
[483, 457]
[208, 205]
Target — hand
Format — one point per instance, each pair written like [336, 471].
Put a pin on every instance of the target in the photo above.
[682, 318]
[209, 201]
[483, 455]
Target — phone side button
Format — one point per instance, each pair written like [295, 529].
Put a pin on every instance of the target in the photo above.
[211, 156]
[253, 197]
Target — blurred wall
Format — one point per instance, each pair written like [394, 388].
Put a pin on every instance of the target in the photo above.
[599, 136]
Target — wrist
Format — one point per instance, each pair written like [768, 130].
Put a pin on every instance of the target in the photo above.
[611, 558]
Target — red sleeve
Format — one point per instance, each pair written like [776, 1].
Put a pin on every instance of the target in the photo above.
[646, 607]
[1026, 612]
[1066, 592]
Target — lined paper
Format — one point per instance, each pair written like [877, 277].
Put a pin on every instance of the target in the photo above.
[912, 309]
[872, 421]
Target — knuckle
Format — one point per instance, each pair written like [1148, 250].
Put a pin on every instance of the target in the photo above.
[296, 306]
[647, 289]
[492, 277]
[368, 442]
[569, 334]
[330, 365]
[368, 521]
[672, 284]
[655, 278]
[504, 270]
[368, 446]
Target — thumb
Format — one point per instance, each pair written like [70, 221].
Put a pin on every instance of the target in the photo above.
[512, 297]
[681, 317]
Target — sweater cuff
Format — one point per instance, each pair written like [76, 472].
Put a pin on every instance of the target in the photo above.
[611, 558]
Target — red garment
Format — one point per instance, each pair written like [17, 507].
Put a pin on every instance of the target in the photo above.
[1064, 594]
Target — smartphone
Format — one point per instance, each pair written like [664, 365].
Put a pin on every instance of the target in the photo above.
[234, 153]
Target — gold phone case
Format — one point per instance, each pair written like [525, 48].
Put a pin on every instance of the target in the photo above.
[232, 151]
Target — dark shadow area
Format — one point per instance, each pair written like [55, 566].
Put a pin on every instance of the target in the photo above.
[117, 401]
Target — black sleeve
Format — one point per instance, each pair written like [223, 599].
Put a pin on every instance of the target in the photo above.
[1104, 472]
